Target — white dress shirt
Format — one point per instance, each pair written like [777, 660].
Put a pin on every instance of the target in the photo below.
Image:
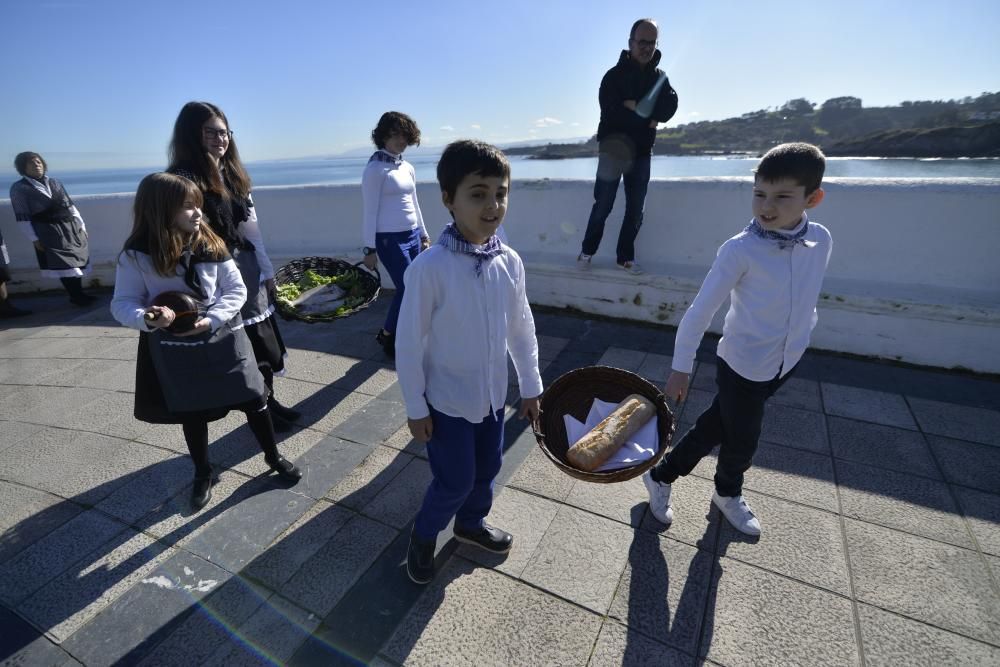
[137, 283]
[389, 195]
[772, 312]
[455, 330]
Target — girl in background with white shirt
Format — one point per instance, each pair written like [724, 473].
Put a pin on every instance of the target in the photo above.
[195, 376]
[392, 229]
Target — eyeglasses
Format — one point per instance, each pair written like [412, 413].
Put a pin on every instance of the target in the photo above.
[645, 43]
[210, 132]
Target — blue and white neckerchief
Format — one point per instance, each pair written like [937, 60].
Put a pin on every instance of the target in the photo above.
[453, 240]
[784, 241]
[382, 155]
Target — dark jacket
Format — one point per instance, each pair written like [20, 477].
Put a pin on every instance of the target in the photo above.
[628, 81]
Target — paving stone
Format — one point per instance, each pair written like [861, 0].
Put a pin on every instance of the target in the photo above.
[110, 414]
[697, 402]
[549, 347]
[928, 581]
[144, 491]
[157, 603]
[323, 407]
[787, 473]
[656, 368]
[453, 617]
[211, 624]
[325, 369]
[696, 519]
[704, 377]
[537, 628]
[540, 476]
[868, 405]
[399, 501]
[330, 572]
[27, 515]
[758, 618]
[271, 636]
[968, 464]
[404, 441]
[798, 542]
[45, 405]
[293, 445]
[71, 464]
[63, 605]
[799, 393]
[526, 517]
[393, 392]
[957, 421]
[618, 645]
[556, 565]
[369, 477]
[905, 502]
[298, 544]
[796, 428]
[619, 357]
[622, 501]
[53, 554]
[882, 446]
[21, 644]
[373, 423]
[982, 512]
[173, 521]
[894, 640]
[664, 590]
[44, 371]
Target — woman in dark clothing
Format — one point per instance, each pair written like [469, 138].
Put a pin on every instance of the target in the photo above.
[203, 150]
[50, 220]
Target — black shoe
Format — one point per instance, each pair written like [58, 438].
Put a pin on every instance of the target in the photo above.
[281, 412]
[7, 309]
[486, 537]
[286, 469]
[420, 560]
[388, 343]
[201, 492]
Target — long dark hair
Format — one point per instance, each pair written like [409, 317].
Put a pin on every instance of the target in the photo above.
[187, 152]
[157, 201]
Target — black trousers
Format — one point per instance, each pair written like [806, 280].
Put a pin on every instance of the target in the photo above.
[732, 422]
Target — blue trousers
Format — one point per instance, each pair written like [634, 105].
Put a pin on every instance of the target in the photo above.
[465, 459]
[396, 251]
[732, 422]
[612, 168]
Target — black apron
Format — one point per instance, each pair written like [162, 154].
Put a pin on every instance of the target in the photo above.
[65, 242]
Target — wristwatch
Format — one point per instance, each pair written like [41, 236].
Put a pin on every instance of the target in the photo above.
[368, 251]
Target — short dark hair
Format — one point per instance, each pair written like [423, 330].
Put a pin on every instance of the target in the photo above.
[469, 156]
[635, 26]
[21, 161]
[392, 122]
[799, 161]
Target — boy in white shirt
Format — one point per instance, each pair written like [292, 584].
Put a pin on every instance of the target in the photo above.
[772, 271]
[464, 309]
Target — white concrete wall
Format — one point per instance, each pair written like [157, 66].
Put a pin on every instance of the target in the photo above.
[914, 274]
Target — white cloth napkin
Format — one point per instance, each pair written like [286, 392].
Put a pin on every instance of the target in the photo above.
[642, 446]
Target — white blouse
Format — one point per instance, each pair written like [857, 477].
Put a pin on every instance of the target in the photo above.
[389, 195]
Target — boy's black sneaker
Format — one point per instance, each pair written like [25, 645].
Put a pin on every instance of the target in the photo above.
[486, 537]
[420, 560]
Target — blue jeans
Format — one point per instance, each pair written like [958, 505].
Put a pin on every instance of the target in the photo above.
[465, 459]
[611, 169]
[733, 422]
[396, 251]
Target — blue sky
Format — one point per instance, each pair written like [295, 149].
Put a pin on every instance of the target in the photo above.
[98, 83]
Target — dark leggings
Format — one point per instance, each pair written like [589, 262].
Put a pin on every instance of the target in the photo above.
[74, 286]
[259, 420]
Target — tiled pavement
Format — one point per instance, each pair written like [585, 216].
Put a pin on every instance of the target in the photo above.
[878, 488]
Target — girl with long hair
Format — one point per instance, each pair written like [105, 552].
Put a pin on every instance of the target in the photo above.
[203, 150]
[195, 374]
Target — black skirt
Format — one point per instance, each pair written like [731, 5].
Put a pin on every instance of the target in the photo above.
[268, 346]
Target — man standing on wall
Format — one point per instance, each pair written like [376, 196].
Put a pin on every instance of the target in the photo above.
[635, 96]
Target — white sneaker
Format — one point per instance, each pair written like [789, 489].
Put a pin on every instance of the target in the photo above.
[659, 499]
[738, 513]
[632, 267]
[583, 262]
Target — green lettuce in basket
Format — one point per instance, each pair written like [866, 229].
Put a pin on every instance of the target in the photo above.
[349, 281]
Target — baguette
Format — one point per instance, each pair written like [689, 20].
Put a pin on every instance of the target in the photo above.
[600, 444]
